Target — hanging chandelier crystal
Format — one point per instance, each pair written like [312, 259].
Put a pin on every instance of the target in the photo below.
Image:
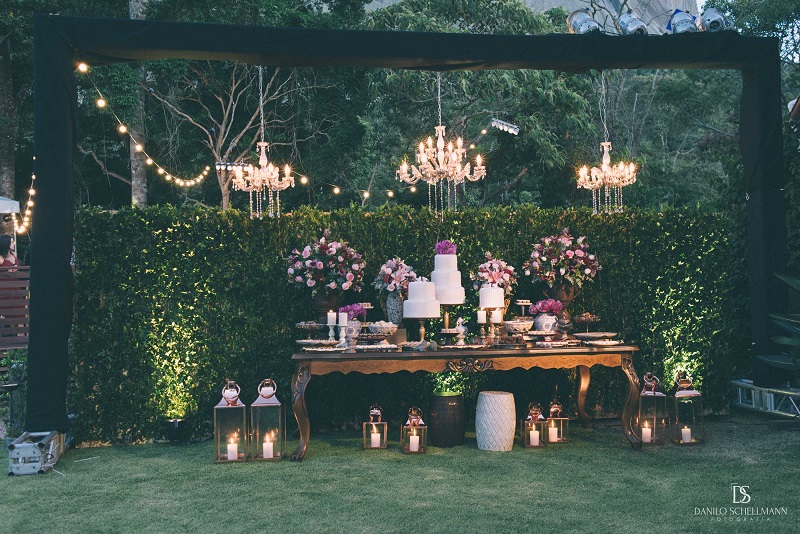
[265, 181]
[610, 178]
[442, 167]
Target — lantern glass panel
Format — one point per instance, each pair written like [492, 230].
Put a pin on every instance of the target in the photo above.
[267, 429]
[653, 421]
[413, 439]
[688, 427]
[375, 435]
[230, 432]
[557, 430]
[533, 433]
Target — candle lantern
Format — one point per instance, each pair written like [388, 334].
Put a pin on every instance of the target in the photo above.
[688, 427]
[267, 428]
[230, 426]
[375, 429]
[414, 434]
[533, 429]
[557, 424]
[653, 417]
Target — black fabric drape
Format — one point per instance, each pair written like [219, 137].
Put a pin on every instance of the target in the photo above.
[62, 41]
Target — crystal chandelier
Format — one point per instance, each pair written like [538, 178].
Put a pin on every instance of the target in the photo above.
[610, 178]
[442, 167]
[263, 182]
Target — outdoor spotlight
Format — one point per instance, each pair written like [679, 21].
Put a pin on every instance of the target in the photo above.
[681, 22]
[630, 24]
[581, 22]
[513, 129]
[713, 21]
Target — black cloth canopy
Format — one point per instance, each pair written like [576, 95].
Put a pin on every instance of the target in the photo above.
[60, 42]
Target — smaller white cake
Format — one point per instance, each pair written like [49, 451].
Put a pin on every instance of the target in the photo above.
[491, 297]
[447, 279]
[421, 303]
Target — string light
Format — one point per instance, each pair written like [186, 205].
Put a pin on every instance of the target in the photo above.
[102, 103]
[366, 194]
[21, 226]
[336, 190]
[390, 194]
[413, 189]
[304, 180]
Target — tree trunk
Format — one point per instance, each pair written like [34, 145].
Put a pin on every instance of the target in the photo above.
[8, 127]
[224, 189]
[136, 10]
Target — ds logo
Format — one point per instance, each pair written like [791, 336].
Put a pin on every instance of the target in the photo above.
[740, 495]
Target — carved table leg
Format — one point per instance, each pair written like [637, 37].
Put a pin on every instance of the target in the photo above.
[631, 403]
[583, 387]
[300, 380]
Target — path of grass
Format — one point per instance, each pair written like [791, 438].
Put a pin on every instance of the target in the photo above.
[594, 484]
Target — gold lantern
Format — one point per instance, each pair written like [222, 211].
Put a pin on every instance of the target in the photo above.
[557, 424]
[688, 428]
[267, 428]
[375, 430]
[653, 419]
[230, 426]
[414, 434]
[533, 429]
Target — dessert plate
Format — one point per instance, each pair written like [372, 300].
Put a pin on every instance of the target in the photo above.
[594, 335]
[604, 342]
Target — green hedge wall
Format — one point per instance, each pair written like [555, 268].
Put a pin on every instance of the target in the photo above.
[170, 302]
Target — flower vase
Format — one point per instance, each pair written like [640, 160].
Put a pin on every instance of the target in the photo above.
[394, 307]
[324, 302]
[351, 332]
[545, 322]
[566, 293]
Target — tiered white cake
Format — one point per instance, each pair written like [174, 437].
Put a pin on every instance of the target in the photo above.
[421, 303]
[447, 279]
[491, 297]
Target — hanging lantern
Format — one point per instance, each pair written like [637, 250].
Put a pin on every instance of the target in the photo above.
[267, 428]
[533, 429]
[688, 428]
[653, 417]
[557, 424]
[375, 430]
[230, 426]
[414, 434]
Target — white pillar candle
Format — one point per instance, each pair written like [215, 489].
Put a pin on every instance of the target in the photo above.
[534, 438]
[481, 316]
[375, 440]
[552, 434]
[497, 316]
[233, 450]
[331, 318]
[267, 447]
[343, 318]
[686, 434]
[647, 434]
[413, 443]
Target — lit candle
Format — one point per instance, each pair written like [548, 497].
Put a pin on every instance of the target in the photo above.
[413, 443]
[552, 433]
[497, 316]
[233, 449]
[647, 433]
[267, 447]
[331, 318]
[343, 318]
[534, 438]
[375, 438]
[686, 434]
[481, 316]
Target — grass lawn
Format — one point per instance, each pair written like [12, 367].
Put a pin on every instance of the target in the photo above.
[596, 483]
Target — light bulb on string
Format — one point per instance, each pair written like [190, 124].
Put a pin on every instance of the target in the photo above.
[83, 67]
[101, 103]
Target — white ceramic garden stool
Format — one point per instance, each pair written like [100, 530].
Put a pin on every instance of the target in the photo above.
[495, 421]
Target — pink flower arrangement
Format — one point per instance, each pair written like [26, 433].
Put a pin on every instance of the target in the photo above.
[445, 247]
[495, 272]
[326, 265]
[395, 275]
[546, 306]
[353, 311]
[562, 258]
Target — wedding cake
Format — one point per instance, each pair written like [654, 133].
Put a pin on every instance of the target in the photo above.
[491, 297]
[421, 303]
[447, 279]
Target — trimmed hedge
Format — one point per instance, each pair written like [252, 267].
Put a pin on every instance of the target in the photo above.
[171, 301]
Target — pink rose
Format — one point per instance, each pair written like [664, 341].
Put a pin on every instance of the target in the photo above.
[587, 271]
[332, 285]
[346, 285]
[310, 283]
[298, 278]
[391, 287]
[306, 252]
[298, 264]
[350, 277]
[579, 253]
[355, 267]
[569, 253]
[291, 271]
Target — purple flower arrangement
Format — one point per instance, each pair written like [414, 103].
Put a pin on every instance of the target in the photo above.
[395, 275]
[326, 265]
[353, 311]
[445, 247]
[546, 306]
[562, 258]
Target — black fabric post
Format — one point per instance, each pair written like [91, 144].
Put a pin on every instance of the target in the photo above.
[51, 234]
[113, 40]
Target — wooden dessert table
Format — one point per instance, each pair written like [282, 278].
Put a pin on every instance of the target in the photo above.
[581, 358]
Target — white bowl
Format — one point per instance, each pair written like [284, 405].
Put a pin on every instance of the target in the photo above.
[518, 326]
[384, 328]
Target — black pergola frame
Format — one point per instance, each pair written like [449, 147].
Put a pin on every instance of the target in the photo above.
[60, 42]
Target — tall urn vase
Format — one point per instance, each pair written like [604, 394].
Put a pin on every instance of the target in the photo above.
[393, 306]
[566, 293]
[324, 302]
